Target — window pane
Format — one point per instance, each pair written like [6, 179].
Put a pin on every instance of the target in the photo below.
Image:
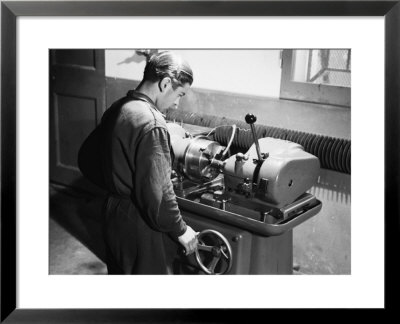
[322, 66]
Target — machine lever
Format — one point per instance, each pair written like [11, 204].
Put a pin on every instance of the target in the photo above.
[251, 119]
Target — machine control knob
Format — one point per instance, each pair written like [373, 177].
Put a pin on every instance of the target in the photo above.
[236, 238]
[241, 157]
[250, 119]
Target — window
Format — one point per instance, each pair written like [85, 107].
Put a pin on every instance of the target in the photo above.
[317, 75]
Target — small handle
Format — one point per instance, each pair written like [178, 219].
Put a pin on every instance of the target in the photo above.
[250, 119]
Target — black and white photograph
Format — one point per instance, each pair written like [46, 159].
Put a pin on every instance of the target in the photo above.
[173, 161]
[197, 161]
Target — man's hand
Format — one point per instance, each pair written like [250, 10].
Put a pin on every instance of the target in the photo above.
[189, 240]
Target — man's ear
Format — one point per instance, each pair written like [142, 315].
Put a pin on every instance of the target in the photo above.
[164, 84]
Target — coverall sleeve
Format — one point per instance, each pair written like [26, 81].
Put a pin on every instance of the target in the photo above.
[153, 187]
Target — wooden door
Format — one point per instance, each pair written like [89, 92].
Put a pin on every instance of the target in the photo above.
[77, 102]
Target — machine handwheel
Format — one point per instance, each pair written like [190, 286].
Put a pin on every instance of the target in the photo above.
[217, 253]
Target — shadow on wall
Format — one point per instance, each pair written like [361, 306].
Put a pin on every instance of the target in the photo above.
[138, 57]
[135, 58]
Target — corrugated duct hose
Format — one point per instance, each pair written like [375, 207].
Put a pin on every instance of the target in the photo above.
[333, 153]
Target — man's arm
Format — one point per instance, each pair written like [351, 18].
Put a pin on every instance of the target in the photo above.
[152, 182]
[154, 191]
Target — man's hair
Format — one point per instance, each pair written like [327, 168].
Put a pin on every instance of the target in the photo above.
[168, 64]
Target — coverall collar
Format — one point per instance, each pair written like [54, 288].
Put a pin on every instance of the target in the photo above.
[140, 96]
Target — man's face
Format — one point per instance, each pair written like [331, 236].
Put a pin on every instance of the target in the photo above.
[171, 97]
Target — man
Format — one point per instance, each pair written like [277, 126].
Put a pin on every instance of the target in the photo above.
[142, 217]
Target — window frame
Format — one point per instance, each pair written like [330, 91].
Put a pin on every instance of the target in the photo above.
[310, 92]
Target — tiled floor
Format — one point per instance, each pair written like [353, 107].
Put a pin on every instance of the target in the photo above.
[74, 241]
[69, 256]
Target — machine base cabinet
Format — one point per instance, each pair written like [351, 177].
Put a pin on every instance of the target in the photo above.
[243, 205]
[251, 253]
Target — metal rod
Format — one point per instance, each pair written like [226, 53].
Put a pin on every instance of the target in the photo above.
[251, 119]
[256, 141]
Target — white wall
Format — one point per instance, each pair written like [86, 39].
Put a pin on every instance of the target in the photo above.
[250, 72]
[124, 64]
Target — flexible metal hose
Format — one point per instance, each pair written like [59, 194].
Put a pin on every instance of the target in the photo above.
[333, 153]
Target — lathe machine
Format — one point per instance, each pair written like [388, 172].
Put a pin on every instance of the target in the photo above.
[245, 205]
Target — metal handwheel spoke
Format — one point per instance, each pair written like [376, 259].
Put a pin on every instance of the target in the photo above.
[204, 247]
[213, 264]
[224, 254]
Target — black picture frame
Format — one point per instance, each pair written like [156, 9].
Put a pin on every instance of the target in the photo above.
[10, 10]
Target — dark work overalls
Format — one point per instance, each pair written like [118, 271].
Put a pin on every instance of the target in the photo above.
[129, 155]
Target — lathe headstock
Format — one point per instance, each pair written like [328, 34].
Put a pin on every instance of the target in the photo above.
[268, 183]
